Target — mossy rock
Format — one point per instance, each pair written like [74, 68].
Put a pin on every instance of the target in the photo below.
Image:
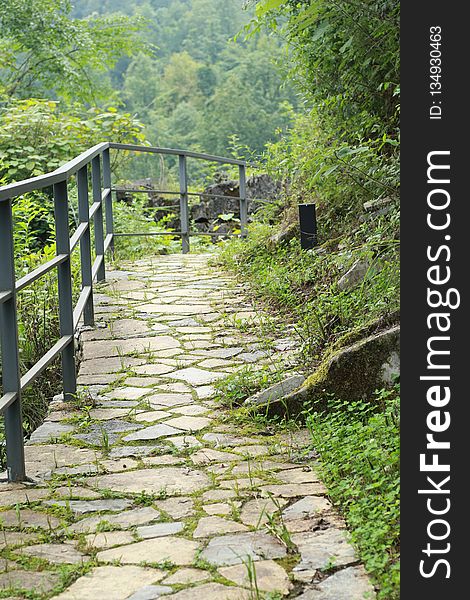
[350, 373]
[359, 333]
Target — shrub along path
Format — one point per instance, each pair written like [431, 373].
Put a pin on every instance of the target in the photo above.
[146, 488]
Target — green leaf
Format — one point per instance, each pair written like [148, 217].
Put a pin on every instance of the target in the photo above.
[262, 8]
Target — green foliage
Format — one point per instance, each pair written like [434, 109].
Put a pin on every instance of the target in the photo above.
[341, 152]
[303, 284]
[132, 219]
[38, 318]
[358, 445]
[32, 229]
[37, 136]
[237, 387]
[345, 57]
[44, 51]
[248, 103]
[339, 178]
[344, 149]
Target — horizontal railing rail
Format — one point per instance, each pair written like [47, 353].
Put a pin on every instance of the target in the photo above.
[71, 167]
[209, 195]
[94, 164]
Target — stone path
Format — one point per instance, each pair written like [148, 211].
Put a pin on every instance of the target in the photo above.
[146, 488]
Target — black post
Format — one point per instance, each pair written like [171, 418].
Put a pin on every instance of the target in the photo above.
[308, 226]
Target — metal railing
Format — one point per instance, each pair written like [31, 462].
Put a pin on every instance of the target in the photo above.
[100, 212]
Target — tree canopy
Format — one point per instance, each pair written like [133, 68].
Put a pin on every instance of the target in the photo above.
[199, 86]
[45, 52]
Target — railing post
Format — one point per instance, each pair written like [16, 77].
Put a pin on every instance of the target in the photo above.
[61, 211]
[184, 212]
[243, 201]
[108, 203]
[98, 216]
[85, 243]
[9, 345]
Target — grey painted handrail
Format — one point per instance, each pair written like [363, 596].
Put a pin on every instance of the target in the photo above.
[12, 190]
[174, 152]
[70, 168]
[95, 162]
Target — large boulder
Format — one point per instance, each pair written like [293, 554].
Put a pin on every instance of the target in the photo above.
[262, 187]
[217, 202]
[222, 198]
[349, 373]
[212, 204]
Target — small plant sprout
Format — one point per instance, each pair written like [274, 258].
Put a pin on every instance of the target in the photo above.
[251, 576]
[277, 527]
[105, 445]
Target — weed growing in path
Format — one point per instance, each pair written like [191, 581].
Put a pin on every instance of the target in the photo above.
[240, 385]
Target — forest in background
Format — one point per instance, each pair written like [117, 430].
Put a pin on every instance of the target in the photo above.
[174, 66]
[325, 120]
[195, 86]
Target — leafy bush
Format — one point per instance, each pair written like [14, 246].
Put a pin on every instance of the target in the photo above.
[345, 58]
[38, 330]
[44, 51]
[343, 150]
[132, 219]
[37, 136]
[358, 445]
[321, 167]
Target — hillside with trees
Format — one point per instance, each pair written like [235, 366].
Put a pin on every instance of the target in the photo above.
[307, 89]
[342, 297]
[195, 86]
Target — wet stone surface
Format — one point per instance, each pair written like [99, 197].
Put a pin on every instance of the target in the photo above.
[157, 477]
[106, 432]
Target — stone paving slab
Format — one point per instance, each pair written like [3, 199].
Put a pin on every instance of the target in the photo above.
[82, 507]
[123, 520]
[55, 553]
[112, 583]
[41, 582]
[27, 518]
[171, 478]
[159, 530]
[348, 584]
[108, 539]
[236, 548]
[270, 577]
[176, 550]
[187, 575]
